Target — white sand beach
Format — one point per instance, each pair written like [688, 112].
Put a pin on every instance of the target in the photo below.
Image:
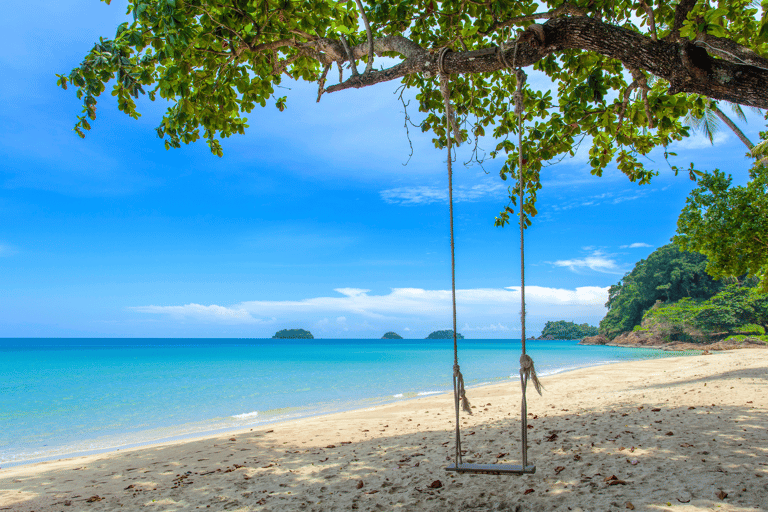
[687, 433]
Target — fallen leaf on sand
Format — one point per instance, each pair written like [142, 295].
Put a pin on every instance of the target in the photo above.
[577, 457]
[331, 446]
[629, 505]
[655, 409]
[436, 484]
[686, 445]
[558, 469]
[684, 501]
[360, 484]
[529, 491]
[612, 480]
[501, 455]
[551, 438]
[669, 434]
[99, 498]
[722, 495]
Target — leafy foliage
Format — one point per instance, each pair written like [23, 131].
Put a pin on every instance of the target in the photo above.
[444, 335]
[728, 224]
[294, 334]
[735, 310]
[668, 274]
[214, 61]
[562, 330]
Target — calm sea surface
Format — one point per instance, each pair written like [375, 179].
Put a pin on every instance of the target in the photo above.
[60, 397]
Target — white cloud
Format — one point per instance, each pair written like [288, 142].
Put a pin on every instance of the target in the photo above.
[491, 311]
[428, 195]
[635, 245]
[597, 261]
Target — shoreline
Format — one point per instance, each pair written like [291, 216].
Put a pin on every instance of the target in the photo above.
[382, 401]
[644, 425]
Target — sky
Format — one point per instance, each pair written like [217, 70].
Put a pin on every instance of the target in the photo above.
[310, 220]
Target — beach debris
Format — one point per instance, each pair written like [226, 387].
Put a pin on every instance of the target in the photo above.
[529, 491]
[613, 480]
[360, 484]
[95, 498]
[669, 434]
[558, 469]
[331, 446]
[551, 437]
[232, 439]
[634, 462]
[129, 487]
[629, 505]
[684, 501]
[722, 495]
[499, 456]
[437, 484]
[577, 457]
[655, 409]
[686, 445]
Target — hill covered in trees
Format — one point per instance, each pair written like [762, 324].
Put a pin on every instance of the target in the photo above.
[667, 275]
[294, 334]
[562, 330]
[391, 336]
[444, 335]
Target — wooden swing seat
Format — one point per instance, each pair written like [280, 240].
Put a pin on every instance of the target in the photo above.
[492, 469]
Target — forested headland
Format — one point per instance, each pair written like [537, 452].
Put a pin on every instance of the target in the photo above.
[669, 298]
[562, 330]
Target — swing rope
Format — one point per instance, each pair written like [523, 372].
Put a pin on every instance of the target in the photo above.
[459, 395]
[527, 370]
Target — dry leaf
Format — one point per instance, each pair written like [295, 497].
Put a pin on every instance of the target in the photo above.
[529, 491]
[558, 469]
[360, 484]
[436, 484]
[629, 505]
[99, 498]
[722, 495]
[656, 409]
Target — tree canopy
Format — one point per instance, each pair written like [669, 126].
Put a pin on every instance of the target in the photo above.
[729, 225]
[627, 72]
[668, 275]
[444, 335]
[294, 334]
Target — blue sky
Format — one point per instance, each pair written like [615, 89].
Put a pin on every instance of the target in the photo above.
[310, 220]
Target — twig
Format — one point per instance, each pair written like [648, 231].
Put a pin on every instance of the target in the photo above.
[369, 65]
[649, 11]
[321, 82]
[625, 104]
[351, 57]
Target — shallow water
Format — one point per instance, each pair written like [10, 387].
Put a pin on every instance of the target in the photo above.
[59, 397]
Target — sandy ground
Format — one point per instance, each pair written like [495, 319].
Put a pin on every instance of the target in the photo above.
[684, 433]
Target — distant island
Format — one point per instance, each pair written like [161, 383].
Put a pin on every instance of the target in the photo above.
[562, 330]
[444, 335]
[391, 336]
[294, 334]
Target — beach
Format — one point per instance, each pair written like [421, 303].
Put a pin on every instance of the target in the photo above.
[680, 432]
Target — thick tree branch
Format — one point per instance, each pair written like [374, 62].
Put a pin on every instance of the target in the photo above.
[685, 66]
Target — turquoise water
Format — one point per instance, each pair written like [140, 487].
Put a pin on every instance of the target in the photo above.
[60, 397]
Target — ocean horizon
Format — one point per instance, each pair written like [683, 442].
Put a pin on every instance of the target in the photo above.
[61, 397]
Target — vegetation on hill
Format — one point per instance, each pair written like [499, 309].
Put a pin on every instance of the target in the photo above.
[562, 330]
[737, 310]
[668, 274]
[444, 335]
[391, 336]
[294, 333]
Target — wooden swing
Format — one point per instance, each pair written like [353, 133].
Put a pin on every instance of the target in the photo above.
[527, 370]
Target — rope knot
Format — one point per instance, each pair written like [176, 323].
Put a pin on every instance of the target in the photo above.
[465, 405]
[527, 371]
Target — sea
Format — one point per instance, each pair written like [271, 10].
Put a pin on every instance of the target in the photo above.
[66, 397]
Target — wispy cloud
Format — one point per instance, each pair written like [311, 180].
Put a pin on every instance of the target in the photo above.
[212, 313]
[598, 261]
[6, 250]
[699, 141]
[635, 245]
[427, 195]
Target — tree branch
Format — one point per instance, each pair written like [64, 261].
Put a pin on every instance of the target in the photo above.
[649, 12]
[681, 14]
[727, 120]
[686, 67]
[369, 65]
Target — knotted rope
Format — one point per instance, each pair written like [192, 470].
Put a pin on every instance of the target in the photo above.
[459, 394]
[527, 371]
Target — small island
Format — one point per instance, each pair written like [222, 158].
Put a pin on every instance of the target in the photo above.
[391, 336]
[562, 330]
[444, 335]
[294, 334]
